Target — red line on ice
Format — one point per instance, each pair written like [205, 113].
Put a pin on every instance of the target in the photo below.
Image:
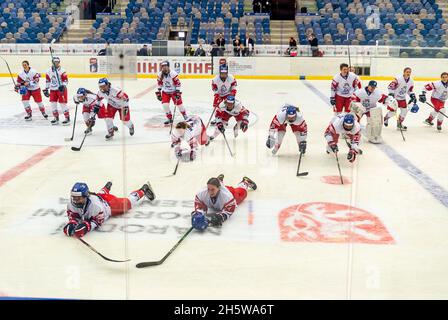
[141, 94]
[28, 163]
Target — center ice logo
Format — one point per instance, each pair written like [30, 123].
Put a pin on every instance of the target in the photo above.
[331, 222]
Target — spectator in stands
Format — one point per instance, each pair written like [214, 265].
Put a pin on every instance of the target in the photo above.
[200, 52]
[220, 42]
[257, 6]
[292, 46]
[189, 51]
[312, 40]
[214, 50]
[107, 51]
[236, 46]
[266, 6]
[250, 45]
[143, 51]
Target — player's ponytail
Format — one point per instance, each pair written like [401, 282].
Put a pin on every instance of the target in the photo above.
[182, 125]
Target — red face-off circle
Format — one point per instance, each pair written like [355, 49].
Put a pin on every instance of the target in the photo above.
[335, 180]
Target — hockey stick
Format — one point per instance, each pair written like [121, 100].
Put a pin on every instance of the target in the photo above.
[52, 61]
[227, 143]
[79, 148]
[175, 168]
[174, 116]
[436, 110]
[156, 263]
[399, 127]
[105, 258]
[339, 167]
[301, 174]
[210, 119]
[74, 125]
[10, 73]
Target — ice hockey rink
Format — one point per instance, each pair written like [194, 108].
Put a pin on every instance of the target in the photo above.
[381, 235]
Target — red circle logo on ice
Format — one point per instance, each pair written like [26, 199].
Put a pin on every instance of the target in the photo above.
[333, 223]
[335, 179]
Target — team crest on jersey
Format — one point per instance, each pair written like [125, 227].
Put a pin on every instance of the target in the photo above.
[223, 89]
[346, 89]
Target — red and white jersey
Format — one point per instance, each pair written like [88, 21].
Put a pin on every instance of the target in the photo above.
[224, 88]
[345, 86]
[336, 128]
[367, 99]
[52, 78]
[115, 97]
[194, 135]
[439, 90]
[32, 77]
[96, 211]
[168, 83]
[238, 109]
[224, 202]
[89, 102]
[401, 87]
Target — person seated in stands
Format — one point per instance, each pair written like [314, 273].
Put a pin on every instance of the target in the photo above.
[200, 52]
[250, 44]
[312, 40]
[214, 51]
[236, 46]
[189, 51]
[143, 51]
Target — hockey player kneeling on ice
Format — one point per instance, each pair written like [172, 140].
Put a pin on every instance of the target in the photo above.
[438, 97]
[216, 203]
[117, 100]
[401, 86]
[346, 125]
[87, 210]
[91, 108]
[227, 109]
[291, 115]
[193, 133]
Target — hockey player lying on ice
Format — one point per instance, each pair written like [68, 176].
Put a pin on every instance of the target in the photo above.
[87, 211]
[216, 203]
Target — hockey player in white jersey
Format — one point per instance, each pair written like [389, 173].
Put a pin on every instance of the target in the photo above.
[28, 86]
[291, 115]
[400, 88]
[169, 88]
[56, 82]
[223, 85]
[342, 88]
[117, 100]
[87, 211]
[216, 203]
[191, 133]
[344, 125]
[438, 98]
[227, 109]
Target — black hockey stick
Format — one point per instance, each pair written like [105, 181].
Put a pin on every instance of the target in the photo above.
[105, 258]
[339, 167]
[85, 135]
[175, 168]
[10, 73]
[436, 110]
[227, 143]
[74, 125]
[52, 62]
[400, 128]
[300, 174]
[156, 263]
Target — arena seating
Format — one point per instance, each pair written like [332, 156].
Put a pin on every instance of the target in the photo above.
[25, 21]
[405, 23]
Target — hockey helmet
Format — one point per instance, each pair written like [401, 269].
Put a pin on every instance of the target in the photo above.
[165, 63]
[373, 83]
[348, 121]
[199, 221]
[291, 112]
[56, 60]
[102, 83]
[79, 194]
[223, 68]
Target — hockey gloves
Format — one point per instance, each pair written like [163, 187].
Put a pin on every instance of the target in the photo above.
[333, 146]
[414, 108]
[244, 125]
[422, 97]
[82, 229]
[351, 155]
[220, 127]
[216, 219]
[69, 228]
[270, 142]
[61, 88]
[333, 101]
[413, 98]
[199, 221]
[46, 93]
[159, 95]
